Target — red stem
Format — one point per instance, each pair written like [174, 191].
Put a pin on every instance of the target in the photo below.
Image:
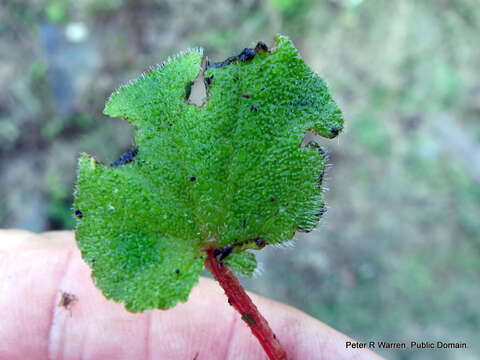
[238, 298]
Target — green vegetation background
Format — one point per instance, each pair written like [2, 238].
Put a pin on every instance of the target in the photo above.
[396, 258]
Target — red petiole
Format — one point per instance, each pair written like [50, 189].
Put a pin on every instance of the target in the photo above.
[238, 298]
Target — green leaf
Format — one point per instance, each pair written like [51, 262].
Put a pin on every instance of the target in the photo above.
[230, 173]
[244, 263]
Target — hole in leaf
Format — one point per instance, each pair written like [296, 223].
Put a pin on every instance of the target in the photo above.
[308, 137]
[126, 157]
[311, 139]
[198, 90]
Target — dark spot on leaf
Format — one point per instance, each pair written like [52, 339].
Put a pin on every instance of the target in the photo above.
[262, 89]
[177, 271]
[126, 157]
[253, 108]
[228, 249]
[78, 214]
[272, 198]
[209, 79]
[193, 178]
[247, 54]
[244, 223]
[248, 318]
[304, 230]
[94, 261]
[318, 147]
[235, 78]
[261, 47]
[188, 89]
[322, 152]
[221, 63]
[260, 242]
[335, 131]
[320, 179]
[322, 211]
[246, 95]
[221, 254]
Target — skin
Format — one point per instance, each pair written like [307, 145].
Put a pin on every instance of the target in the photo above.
[35, 269]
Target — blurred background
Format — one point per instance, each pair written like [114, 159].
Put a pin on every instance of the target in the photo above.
[396, 257]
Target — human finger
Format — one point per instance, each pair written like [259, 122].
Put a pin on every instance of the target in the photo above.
[35, 270]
